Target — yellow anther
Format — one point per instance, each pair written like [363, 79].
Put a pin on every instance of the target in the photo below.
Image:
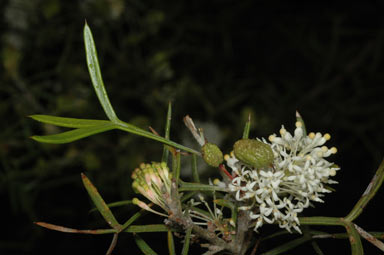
[327, 136]
[283, 131]
[298, 124]
[332, 172]
[232, 154]
[271, 138]
[226, 157]
[333, 150]
[308, 157]
[324, 148]
[311, 135]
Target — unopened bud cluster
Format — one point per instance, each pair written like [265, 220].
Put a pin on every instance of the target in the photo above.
[154, 182]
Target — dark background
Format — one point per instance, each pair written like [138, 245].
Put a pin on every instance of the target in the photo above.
[217, 61]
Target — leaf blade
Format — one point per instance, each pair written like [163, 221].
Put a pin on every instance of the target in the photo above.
[146, 228]
[95, 73]
[186, 242]
[68, 122]
[164, 158]
[73, 135]
[100, 204]
[171, 243]
[143, 246]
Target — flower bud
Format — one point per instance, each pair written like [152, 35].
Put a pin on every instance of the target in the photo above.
[212, 155]
[253, 152]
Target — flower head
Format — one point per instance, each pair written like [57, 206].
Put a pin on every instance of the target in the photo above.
[154, 182]
[276, 193]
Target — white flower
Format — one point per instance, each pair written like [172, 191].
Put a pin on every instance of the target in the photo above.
[277, 193]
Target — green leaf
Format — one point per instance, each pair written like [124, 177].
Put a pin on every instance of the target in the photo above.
[95, 73]
[368, 194]
[318, 220]
[138, 131]
[189, 186]
[176, 166]
[146, 228]
[167, 132]
[247, 127]
[100, 204]
[69, 122]
[195, 172]
[287, 246]
[354, 238]
[134, 217]
[73, 135]
[316, 248]
[186, 242]
[115, 204]
[171, 243]
[143, 246]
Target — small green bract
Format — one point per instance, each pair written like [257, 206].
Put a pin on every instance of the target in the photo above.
[253, 152]
[212, 155]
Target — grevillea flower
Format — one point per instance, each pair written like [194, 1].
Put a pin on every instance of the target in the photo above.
[297, 176]
[154, 182]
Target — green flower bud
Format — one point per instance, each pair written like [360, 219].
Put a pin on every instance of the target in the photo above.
[212, 155]
[253, 152]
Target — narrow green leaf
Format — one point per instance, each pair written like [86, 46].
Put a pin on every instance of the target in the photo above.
[188, 196]
[134, 217]
[69, 122]
[95, 73]
[138, 131]
[73, 135]
[146, 228]
[186, 242]
[368, 194]
[143, 246]
[176, 166]
[189, 186]
[167, 133]
[287, 246]
[195, 172]
[354, 238]
[100, 204]
[225, 202]
[171, 243]
[247, 127]
[317, 249]
[325, 221]
[115, 204]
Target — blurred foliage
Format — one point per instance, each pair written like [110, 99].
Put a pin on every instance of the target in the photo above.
[217, 61]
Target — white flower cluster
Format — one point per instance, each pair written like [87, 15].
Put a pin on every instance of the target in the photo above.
[277, 193]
